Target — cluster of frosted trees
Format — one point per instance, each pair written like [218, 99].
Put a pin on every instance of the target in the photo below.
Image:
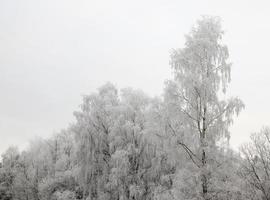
[125, 145]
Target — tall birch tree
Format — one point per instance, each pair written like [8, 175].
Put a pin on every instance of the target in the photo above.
[202, 73]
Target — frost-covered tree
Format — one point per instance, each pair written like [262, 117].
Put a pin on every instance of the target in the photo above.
[201, 117]
[139, 168]
[92, 129]
[116, 158]
[8, 173]
[255, 169]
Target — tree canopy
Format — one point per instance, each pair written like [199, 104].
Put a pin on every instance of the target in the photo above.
[126, 145]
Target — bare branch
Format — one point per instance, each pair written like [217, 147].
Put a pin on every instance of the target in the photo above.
[186, 148]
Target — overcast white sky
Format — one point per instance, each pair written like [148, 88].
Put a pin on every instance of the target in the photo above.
[53, 51]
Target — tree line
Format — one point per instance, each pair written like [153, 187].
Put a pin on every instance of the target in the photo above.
[126, 145]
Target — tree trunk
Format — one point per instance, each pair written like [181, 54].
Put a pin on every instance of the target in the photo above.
[204, 176]
[203, 168]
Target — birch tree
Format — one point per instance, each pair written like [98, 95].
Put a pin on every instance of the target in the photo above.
[201, 76]
[92, 129]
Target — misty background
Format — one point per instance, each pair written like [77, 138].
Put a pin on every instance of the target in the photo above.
[54, 51]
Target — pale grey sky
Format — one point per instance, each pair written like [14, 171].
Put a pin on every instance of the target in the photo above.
[53, 51]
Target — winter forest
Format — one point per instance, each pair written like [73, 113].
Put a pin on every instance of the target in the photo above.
[126, 145]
